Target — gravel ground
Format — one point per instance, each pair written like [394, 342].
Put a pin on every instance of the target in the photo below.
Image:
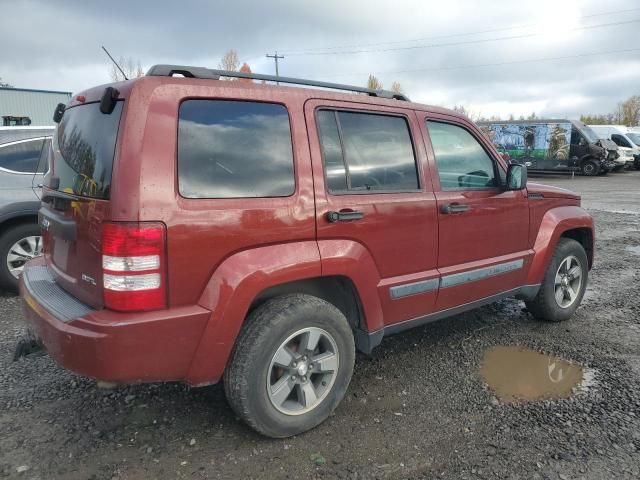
[416, 408]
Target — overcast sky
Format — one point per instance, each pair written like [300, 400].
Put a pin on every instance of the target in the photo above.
[495, 57]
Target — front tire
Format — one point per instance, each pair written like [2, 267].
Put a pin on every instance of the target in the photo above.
[291, 365]
[590, 168]
[564, 283]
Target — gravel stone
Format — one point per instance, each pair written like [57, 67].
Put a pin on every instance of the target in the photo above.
[452, 426]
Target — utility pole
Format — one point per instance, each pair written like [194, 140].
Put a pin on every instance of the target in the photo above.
[275, 57]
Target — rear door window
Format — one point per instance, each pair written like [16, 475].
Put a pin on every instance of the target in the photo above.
[234, 149]
[22, 156]
[366, 152]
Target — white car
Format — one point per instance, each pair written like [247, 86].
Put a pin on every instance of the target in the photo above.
[23, 163]
[626, 138]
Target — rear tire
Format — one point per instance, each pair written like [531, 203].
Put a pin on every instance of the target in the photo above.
[590, 168]
[291, 365]
[17, 235]
[564, 283]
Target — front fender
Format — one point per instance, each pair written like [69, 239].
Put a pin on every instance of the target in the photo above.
[555, 222]
[230, 292]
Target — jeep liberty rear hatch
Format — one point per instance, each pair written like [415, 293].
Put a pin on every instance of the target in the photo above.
[78, 202]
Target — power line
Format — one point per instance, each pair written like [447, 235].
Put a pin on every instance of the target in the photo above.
[450, 35]
[496, 64]
[463, 42]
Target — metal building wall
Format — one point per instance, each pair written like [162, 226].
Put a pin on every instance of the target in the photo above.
[35, 104]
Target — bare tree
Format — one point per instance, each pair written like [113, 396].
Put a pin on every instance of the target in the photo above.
[630, 111]
[373, 83]
[473, 115]
[230, 61]
[132, 69]
[460, 109]
[396, 87]
[5, 85]
[626, 113]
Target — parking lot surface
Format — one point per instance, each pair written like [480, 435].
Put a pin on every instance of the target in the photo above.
[417, 408]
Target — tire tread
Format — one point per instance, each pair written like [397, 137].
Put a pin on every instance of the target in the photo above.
[253, 337]
[542, 307]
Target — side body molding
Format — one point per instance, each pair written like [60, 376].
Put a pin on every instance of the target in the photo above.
[230, 291]
[554, 223]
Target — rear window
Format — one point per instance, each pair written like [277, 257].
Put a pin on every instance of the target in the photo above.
[22, 156]
[233, 149]
[366, 152]
[83, 148]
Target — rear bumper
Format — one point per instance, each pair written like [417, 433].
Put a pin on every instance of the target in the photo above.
[106, 345]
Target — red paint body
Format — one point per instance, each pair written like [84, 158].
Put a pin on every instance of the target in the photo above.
[222, 253]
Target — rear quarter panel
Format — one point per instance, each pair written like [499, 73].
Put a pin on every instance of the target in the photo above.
[203, 233]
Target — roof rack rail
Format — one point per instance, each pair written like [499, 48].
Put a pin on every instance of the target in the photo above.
[212, 74]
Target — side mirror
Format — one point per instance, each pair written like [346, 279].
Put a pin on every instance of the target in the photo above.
[516, 177]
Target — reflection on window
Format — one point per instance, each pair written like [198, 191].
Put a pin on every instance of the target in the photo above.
[366, 152]
[21, 156]
[461, 160]
[44, 161]
[229, 149]
[83, 149]
[335, 171]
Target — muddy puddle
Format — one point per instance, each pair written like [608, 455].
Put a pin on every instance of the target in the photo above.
[635, 250]
[519, 374]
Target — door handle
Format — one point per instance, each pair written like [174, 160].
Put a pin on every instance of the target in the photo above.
[453, 208]
[343, 216]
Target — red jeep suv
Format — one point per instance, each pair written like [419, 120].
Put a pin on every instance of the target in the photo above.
[198, 229]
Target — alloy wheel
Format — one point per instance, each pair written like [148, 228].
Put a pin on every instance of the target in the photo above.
[568, 281]
[302, 371]
[21, 252]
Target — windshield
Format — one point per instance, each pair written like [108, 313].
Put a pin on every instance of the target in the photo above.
[589, 134]
[635, 138]
[83, 148]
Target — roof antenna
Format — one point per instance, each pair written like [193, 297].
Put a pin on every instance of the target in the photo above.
[114, 62]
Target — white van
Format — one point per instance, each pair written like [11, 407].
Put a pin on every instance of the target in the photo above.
[626, 138]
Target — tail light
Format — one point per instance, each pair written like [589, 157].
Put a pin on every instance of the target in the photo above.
[134, 266]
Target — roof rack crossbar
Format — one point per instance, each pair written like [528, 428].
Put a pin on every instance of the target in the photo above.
[212, 74]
